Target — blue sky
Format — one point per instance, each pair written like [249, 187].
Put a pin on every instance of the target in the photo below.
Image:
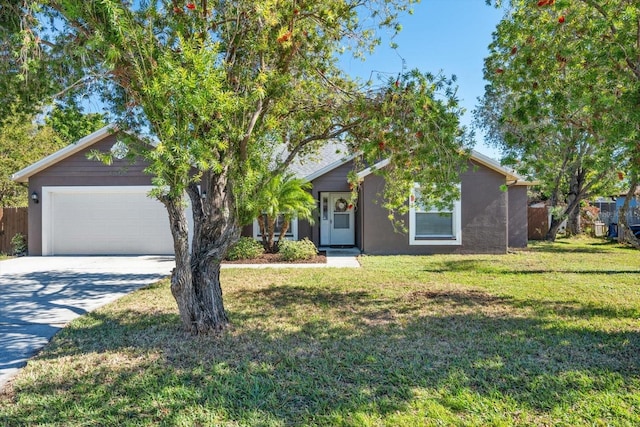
[451, 36]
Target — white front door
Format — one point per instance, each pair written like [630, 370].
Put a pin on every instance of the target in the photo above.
[337, 219]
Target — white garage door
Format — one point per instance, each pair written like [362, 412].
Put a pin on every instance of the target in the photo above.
[103, 221]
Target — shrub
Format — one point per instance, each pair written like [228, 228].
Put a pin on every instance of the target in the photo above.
[246, 248]
[19, 244]
[291, 250]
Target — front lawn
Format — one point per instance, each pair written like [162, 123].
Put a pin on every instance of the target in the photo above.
[548, 336]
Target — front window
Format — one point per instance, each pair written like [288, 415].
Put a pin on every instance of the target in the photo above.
[291, 234]
[429, 225]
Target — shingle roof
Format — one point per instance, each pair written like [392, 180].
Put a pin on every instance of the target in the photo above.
[329, 157]
[309, 167]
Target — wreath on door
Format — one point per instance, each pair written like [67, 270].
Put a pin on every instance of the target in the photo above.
[341, 205]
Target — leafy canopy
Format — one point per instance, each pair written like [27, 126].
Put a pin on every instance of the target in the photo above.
[243, 88]
[565, 76]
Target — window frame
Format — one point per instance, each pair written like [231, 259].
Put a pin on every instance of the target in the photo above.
[436, 240]
[292, 233]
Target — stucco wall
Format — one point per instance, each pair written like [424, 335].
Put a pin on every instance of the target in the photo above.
[483, 218]
[78, 170]
[518, 222]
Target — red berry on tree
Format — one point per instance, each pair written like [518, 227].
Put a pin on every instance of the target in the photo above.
[191, 6]
[381, 145]
[499, 70]
[514, 50]
[543, 3]
[177, 10]
[561, 19]
[285, 37]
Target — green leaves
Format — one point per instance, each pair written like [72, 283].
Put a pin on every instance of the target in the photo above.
[22, 143]
[239, 90]
[560, 74]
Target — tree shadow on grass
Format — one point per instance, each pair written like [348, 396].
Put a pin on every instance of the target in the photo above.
[333, 355]
[560, 246]
[485, 266]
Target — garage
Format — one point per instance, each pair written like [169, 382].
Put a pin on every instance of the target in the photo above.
[81, 206]
[103, 220]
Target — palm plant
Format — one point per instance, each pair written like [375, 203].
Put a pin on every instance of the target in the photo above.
[285, 197]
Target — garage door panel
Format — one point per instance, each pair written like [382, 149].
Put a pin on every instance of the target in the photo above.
[107, 221]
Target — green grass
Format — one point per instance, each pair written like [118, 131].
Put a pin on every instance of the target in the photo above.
[547, 336]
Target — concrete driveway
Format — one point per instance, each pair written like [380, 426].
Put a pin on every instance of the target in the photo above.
[40, 295]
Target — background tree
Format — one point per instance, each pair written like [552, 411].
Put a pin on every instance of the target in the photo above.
[32, 65]
[70, 122]
[233, 92]
[22, 142]
[567, 75]
[285, 197]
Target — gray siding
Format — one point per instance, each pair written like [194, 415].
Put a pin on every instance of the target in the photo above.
[518, 223]
[77, 170]
[483, 218]
[333, 181]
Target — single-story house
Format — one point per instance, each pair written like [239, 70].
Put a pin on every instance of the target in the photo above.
[82, 206]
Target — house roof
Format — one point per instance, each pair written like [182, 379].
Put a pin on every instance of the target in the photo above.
[330, 157]
[477, 157]
[24, 174]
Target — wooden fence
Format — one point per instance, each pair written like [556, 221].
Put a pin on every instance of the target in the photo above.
[538, 222]
[12, 222]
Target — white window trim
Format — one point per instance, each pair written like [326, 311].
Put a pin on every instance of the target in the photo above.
[455, 240]
[291, 234]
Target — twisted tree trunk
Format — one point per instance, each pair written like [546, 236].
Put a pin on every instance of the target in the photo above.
[195, 282]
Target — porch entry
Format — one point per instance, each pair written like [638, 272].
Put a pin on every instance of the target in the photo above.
[337, 219]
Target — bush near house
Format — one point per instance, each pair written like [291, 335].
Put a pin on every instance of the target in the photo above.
[19, 244]
[246, 248]
[291, 250]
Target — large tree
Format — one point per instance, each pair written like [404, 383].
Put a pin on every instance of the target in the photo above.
[232, 92]
[564, 81]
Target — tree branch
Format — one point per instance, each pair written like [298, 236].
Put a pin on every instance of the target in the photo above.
[326, 135]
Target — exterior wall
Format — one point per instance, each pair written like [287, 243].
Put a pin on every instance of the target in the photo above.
[518, 221]
[79, 171]
[483, 218]
[491, 219]
[334, 181]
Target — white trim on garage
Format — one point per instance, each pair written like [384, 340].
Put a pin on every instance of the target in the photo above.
[24, 174]
[146, 230]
